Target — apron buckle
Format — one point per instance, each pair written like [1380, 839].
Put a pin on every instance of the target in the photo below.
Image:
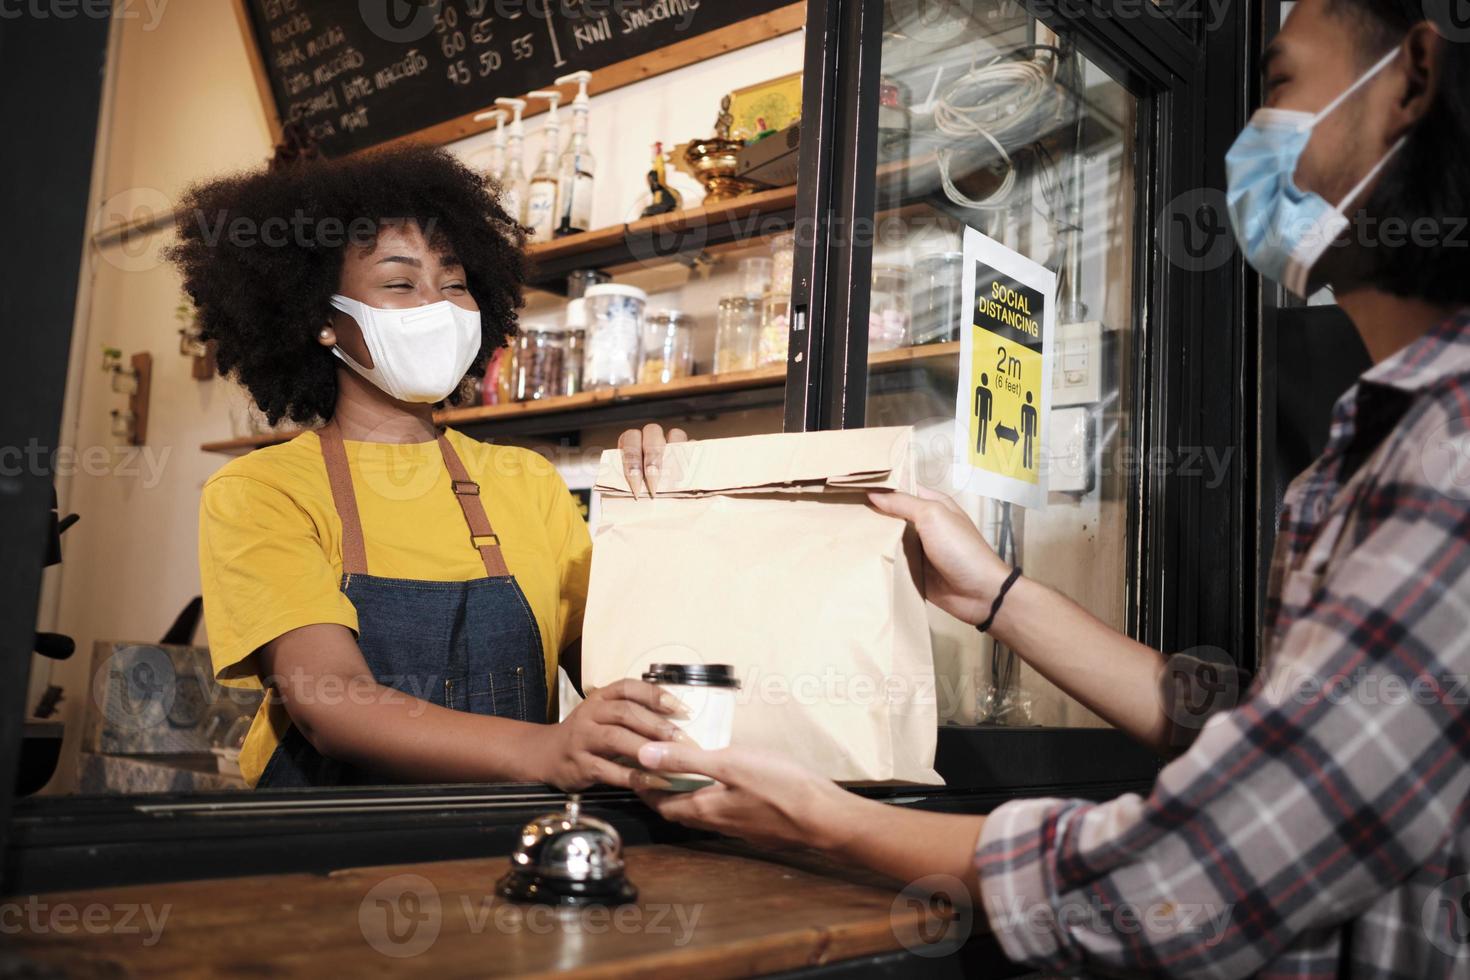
[466, 487]
[481, 540]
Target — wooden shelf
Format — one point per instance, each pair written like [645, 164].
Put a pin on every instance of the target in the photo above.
[699, 394]
[662, 237]
[688, 231]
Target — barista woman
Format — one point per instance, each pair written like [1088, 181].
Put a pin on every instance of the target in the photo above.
[403, 592]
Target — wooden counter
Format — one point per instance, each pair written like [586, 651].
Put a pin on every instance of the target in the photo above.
[705, 911]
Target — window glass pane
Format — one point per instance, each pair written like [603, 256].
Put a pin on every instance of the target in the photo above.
[989, 120]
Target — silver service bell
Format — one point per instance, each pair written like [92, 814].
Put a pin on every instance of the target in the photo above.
[567, 858]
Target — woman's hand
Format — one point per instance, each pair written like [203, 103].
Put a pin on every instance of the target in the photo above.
[760, 796]
[643, 454]
[613, 723]
[962, 573]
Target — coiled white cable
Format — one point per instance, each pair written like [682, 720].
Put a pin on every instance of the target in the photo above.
[997, 199]
[1005, 102]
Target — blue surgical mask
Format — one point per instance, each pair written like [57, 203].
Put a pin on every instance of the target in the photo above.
[1282, 229]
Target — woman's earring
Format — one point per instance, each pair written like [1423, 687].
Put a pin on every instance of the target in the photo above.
[325, 334]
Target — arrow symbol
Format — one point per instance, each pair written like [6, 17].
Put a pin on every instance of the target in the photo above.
[1007, 433]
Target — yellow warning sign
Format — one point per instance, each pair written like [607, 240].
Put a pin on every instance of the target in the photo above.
[1004, 381]
[1006, 375]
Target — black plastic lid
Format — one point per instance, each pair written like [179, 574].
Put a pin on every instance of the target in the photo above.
[693, 675]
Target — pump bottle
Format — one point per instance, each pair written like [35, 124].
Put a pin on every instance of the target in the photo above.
[575, 172]
[494, 155]
[513, 186]
[541, 199]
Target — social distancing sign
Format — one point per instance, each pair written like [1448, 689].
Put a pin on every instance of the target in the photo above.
[1005, 373]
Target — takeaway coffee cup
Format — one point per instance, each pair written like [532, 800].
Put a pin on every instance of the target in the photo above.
[708, 692]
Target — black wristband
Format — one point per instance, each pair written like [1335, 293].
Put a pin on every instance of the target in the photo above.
[999, 598]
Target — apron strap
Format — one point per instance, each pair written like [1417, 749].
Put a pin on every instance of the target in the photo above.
[334, 454]
[467, 492]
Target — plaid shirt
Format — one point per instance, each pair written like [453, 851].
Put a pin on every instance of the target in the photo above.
[1321, 828]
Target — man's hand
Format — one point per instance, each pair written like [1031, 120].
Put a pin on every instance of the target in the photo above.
[775, 802]
[643, 454]
[613, 723]
[962, 573]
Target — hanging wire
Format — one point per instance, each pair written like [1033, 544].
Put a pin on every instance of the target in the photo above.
[1002, 657]
[1069, 232]
[1004, 702]
[1009, 102]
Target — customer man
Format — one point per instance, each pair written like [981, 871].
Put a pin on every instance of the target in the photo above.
[1322, 827]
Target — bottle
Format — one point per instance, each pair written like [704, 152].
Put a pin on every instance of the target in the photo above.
[614, 314]
[737, 333]
[662, 197]
[513, 184]
[494, 155]
[773, 346]
[888, 308]
[666, 352]
[574, 173]
[539, 368]
[576, 324]
[541, 198]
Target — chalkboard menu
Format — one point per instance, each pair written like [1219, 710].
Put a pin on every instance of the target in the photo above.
[356, 73]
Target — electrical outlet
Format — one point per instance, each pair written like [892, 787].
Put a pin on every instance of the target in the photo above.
[1070, 448]
[1076, 375]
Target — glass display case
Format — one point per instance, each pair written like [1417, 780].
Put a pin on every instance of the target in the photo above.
[1076, 138]
[998, 124]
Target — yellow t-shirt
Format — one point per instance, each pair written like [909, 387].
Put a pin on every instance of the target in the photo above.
[270, 547]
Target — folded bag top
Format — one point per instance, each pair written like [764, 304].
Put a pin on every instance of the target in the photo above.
[849, 459]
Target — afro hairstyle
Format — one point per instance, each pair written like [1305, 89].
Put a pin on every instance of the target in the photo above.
[261, 256]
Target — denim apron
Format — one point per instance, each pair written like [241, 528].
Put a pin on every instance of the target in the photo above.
[471, 646]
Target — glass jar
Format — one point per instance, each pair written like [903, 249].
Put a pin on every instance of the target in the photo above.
[539, 362]
[888, 308]
[775, 328]
[936, 298]
[576, 332]
[755, 275]
[783, 254]
[737, 334]
[614, 327]
[668, 347]
[494, 387]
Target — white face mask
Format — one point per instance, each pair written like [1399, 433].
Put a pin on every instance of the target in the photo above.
[419, 354]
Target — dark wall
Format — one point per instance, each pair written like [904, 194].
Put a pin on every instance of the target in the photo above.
[50, 85]
[1318, 356]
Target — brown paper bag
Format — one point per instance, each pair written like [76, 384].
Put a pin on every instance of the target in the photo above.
[762, 552]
